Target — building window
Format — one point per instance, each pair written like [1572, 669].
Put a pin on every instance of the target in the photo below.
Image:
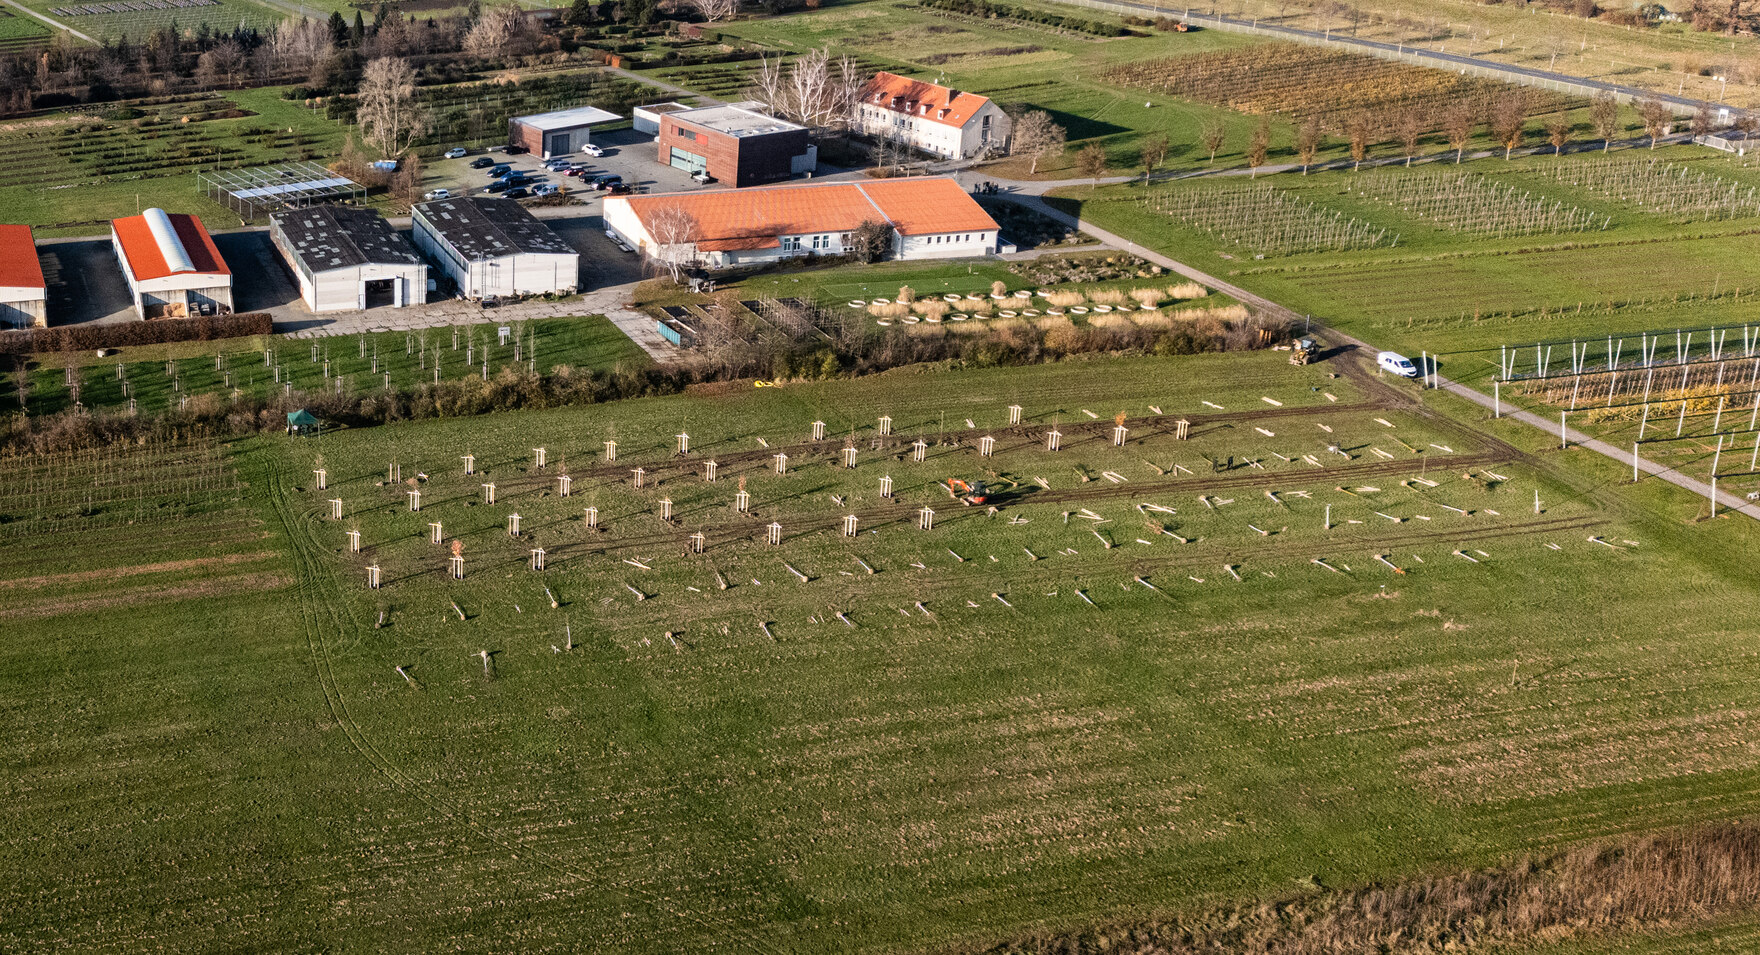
[821, 242]
[791, 243]
[843, 240]
[689, 134]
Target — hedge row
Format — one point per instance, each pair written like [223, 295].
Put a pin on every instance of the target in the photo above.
[158, 331]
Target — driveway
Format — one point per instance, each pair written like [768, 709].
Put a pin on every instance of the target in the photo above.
[85, 282]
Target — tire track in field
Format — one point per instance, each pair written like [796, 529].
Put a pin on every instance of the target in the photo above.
[319, 613]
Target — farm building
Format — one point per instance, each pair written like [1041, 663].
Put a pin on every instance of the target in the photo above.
[556, 134]
[171, 264]
[737, 146]
[349, 258]
[646, 119]
[928, 218]
[935, 119]
[24, 296]
[494, 247]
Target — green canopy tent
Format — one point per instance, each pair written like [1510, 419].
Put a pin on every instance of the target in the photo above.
[302, 423]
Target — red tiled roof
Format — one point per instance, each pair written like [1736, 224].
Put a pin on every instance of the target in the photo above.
[923, 100]
[740, 219]
[19, 267]
[147, 262]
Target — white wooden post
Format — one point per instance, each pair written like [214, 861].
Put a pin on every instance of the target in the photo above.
[373, 577]
[610, 451]
[1053, 439]
[818, 431]
[666, 508]
[1181, 429]
[470, 464]
[919, 450]
[926, 518]
[709, 472]
[538, 457]
[742, 501]
[488, 494]
[849, 457]
[323, 477]
[684, 442]
[513, 524]
[639, 474]
[336, 508]
[592, 518]
[697, 542]
[354, 542]
[537, 558]
[986, 446]
[1014, 414]
[456, 565]
[436, 532]
[1118, 435]
[393, 473]
[564, 485]
[782, 463]
[885, 422]
[415, 499]
[775, 533]
[849, 525]
[886, 486]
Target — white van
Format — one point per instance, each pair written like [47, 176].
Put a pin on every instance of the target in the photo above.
[1396, 363]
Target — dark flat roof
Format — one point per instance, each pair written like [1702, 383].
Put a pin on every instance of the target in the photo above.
[326, 237]
[483, 228]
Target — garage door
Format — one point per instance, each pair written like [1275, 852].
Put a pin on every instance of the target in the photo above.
[559, 144]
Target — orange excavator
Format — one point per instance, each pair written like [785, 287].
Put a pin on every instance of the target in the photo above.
[968, 492]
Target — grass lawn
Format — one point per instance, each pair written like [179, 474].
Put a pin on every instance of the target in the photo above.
[160, 376]
[977, 751]
[223, 16]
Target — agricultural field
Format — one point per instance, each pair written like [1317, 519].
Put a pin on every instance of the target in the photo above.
[1473, 255]
[1327, 637]
[159, 378]
[104, 21]
[20, 32]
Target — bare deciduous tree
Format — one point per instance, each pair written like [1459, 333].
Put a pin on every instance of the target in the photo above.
[1703, 122]
[1091, 161]
[1656, 117]
[1604, 112]
[1213, 136]
[1558, 132]
[1037, 137]
[302, 47]
[1359, 128]
[1154, 153]
[501, 31]
[1509, 118]
[1259, 147]
[1457, 124]
[1410, 125]
[675, 232]
[713, 10]
[220, 65]
[810, 91]
[1308, 137]
[388, 113]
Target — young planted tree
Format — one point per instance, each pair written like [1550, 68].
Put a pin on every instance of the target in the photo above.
[1259, 146]
[1509, 117]
[1457, 124]
[1213, 136]
[1410, 125]
[1091, 161]
[675, 233]
[1037, 137]
[1308, 138]
[1657, 119]
[1702, 122]
[1358, 127]
[1604, 113]
[388, 113]
[1558, 132]
[1154, 153]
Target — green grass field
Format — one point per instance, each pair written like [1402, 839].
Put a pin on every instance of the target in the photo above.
[160, 377]
[978, 751]
[223, 17]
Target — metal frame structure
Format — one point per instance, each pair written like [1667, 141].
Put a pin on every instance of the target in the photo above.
[264, 189]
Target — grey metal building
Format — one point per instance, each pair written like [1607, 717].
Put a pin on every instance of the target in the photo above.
[495, 247]
[348, 258]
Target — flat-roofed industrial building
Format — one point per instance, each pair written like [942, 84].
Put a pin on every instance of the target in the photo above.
[24, 296]
[348, 258]
[494, 247]
[558, 133]
[740, 147]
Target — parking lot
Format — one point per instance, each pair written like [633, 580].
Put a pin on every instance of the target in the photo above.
[627, 153]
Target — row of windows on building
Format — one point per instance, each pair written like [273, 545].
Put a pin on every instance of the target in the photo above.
[823, 243]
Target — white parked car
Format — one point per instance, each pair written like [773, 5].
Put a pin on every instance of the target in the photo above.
[544, 189]
[592, 150]
[1396, 363]
[437, 194]
[457, 152]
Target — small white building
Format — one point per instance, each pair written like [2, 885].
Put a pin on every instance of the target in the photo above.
[646, 119]
[349, 258]
[171, 264]
[494, 247]
[944, 122]
[24, 296]
[558, 133]
[928, 218]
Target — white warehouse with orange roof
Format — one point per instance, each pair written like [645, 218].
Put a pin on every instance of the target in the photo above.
[950, 123]
[929, 219]
[24, 296]
[171, 264]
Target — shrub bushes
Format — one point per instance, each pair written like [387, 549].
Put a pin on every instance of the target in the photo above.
[158, 331]
[984, 8]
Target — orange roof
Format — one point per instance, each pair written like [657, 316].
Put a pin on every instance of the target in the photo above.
[19, 267]
[737, 219]
[922, 100]
[147, 262]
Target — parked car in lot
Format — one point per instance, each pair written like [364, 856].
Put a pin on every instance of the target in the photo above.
[603, 183]
[618, 189]
[702, 177]
[517, 192]
[498, 186]
[592, 150]
[457, 152]
[434, 194]
[575, 171]
[516, 150]
[558, 162]
[482, 162]
[544, 189]
[498, 170]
